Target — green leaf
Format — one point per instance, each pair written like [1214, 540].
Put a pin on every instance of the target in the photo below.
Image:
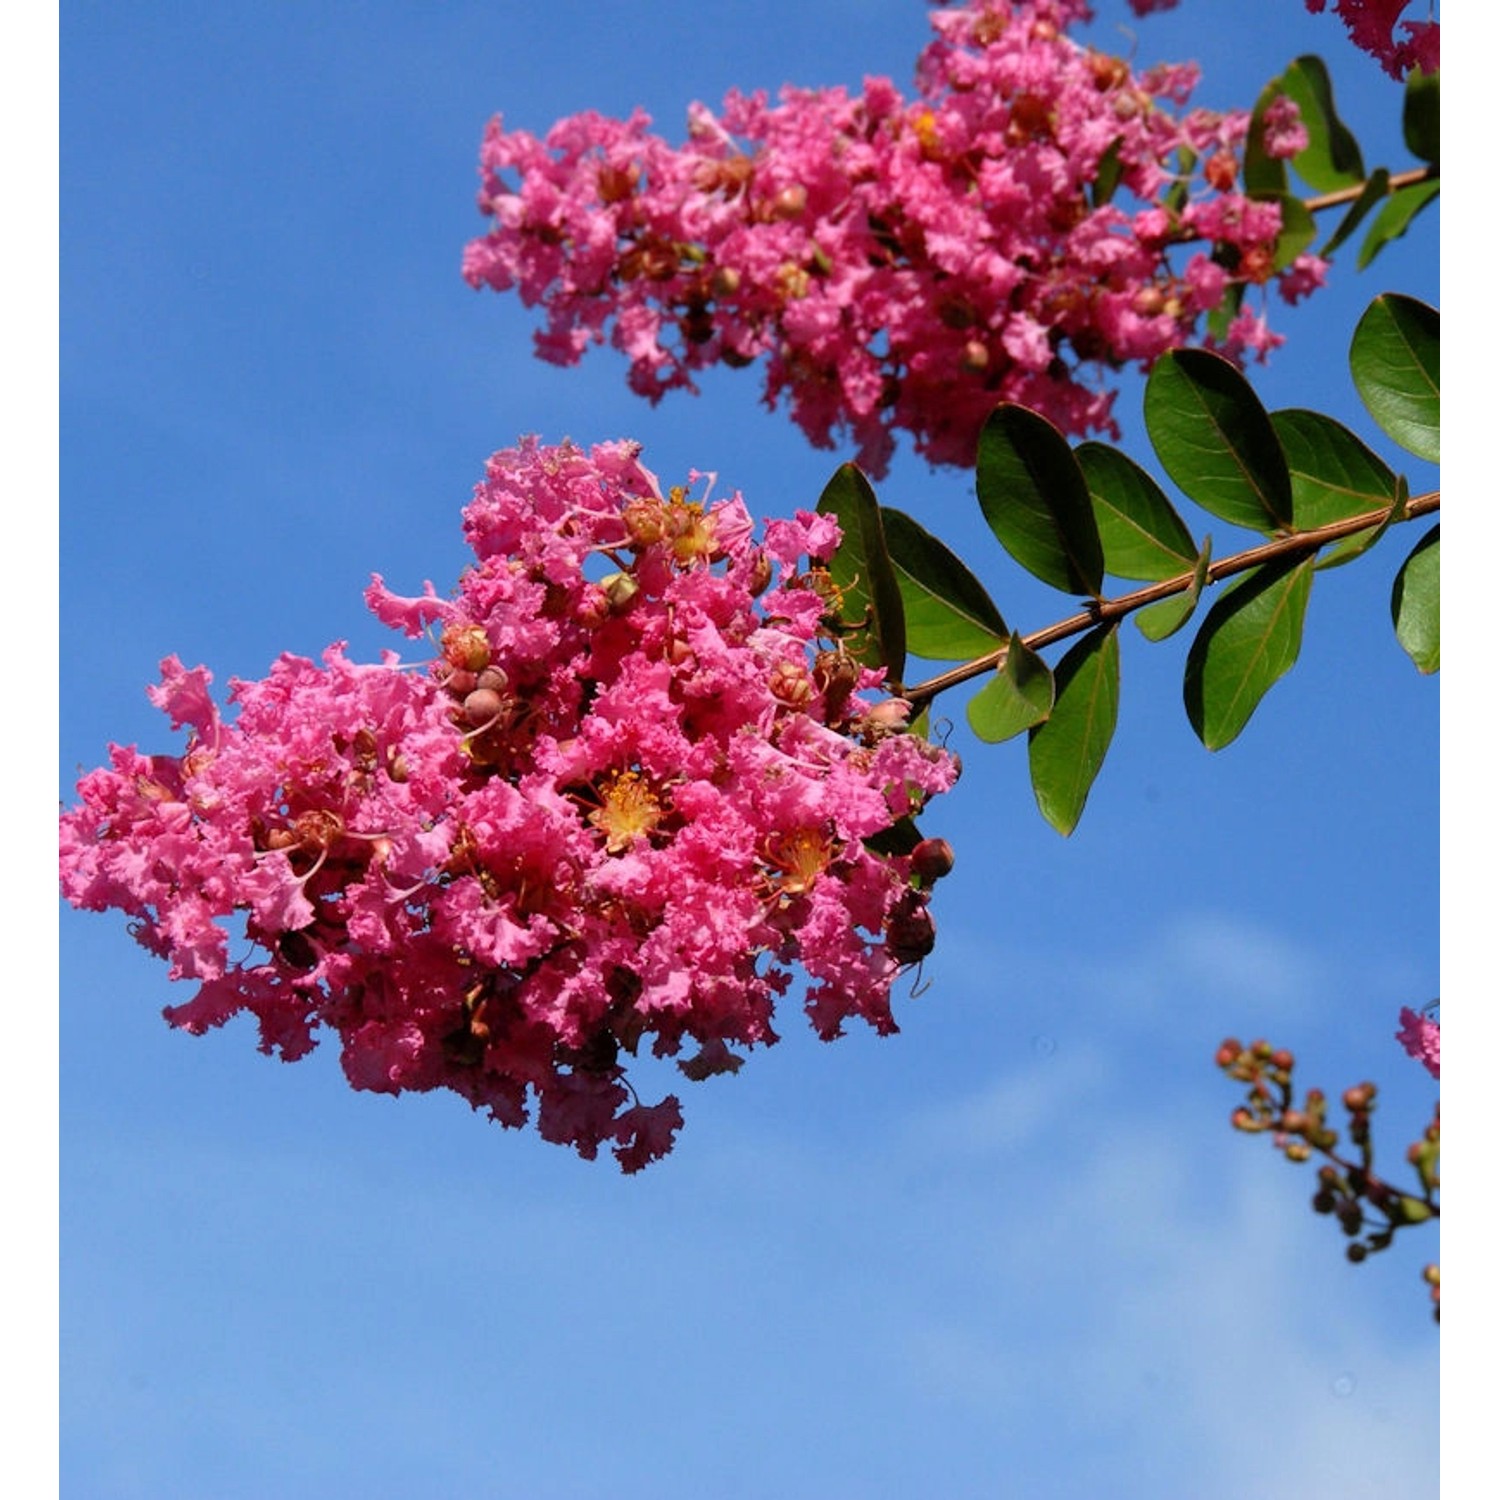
[1334, 475]
[1036, 500]
[1157, 621]
[1143, 536]
[1331, 158]
[1298, 229]
[1107, 174]
[1414, 603]
[1066, 752]
[1376, 187]
[949, 616]
[1248, 641]
[1018, 696]
[1265, 176]
[1350, 547]
[1395, 217]
[1419, 116]
[1216, 441]
[1394, 361]
[1220, 317]
[862, 569]
[900, 838]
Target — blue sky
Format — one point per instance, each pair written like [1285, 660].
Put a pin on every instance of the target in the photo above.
[1015, 1250]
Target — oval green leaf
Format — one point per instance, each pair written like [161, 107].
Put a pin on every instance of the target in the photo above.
[1414, 604]
[1264, 175]
[1395, 218]
[862, 570]
[1420, 116]
[1157, 621]
[1334, 475]
[1143, 536]
[1248, 642]
[1216, 441]
[1298, 228]
[1018, 695]
[949, 616]
[1394, 361]
[1331, 158]
[1035, 498]
[1065, 753]
[1376, 187]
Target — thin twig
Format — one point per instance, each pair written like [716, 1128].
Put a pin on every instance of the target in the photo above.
[1101, 611]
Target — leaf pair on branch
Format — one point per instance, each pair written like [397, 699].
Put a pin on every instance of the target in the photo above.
[1308, 486]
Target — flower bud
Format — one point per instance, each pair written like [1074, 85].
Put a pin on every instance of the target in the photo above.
[483, 706]
[493, 678]
[620, 589]
[975, 359]
[466, 646]
[725, 282]
[1220, 171]
[790, 202]
[932, 859]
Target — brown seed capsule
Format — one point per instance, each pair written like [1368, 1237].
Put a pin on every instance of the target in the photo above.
[482, 706]
[932, 859]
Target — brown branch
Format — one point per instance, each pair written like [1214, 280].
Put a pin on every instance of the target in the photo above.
[1350, 194]
[1100, 611]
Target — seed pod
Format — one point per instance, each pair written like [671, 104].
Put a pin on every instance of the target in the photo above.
[482, 706]
[932, 859]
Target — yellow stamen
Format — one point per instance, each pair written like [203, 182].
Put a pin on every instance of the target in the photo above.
[629, 811]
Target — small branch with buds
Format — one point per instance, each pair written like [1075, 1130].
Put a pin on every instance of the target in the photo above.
[1363, 1203]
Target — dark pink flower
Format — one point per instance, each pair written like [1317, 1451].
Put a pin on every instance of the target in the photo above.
[630, 796]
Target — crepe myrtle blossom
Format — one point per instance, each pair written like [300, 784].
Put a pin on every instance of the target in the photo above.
[1037, 215]
[1372, 27]
[1421, 1037]
[641, 783]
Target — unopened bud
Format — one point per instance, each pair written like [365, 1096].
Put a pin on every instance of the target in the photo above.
[1220, 171]
[620, 589]
[482, 706]
[790, 202]
[932, 859]
[975, 358]
[466, 647]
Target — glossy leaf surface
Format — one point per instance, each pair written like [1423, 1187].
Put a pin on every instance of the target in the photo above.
[1017, 696]
[1142, 534]
[1394, 361]
[1415, 604]
[1334, 475]
[1157, 621]
[1331, 159]
[1035, 498]
[1216, 441]
[862, 570]
[1395, 217]
[1066, 752]
[949, 616]
[1248, 642]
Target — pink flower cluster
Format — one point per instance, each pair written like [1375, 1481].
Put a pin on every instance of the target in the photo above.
[1372, 27]
[638, 784]
[900, 264]
[1420, 1036]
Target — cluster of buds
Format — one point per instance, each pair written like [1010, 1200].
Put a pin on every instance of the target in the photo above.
[1011, 233]
[641, 785]
[1367, 1209]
